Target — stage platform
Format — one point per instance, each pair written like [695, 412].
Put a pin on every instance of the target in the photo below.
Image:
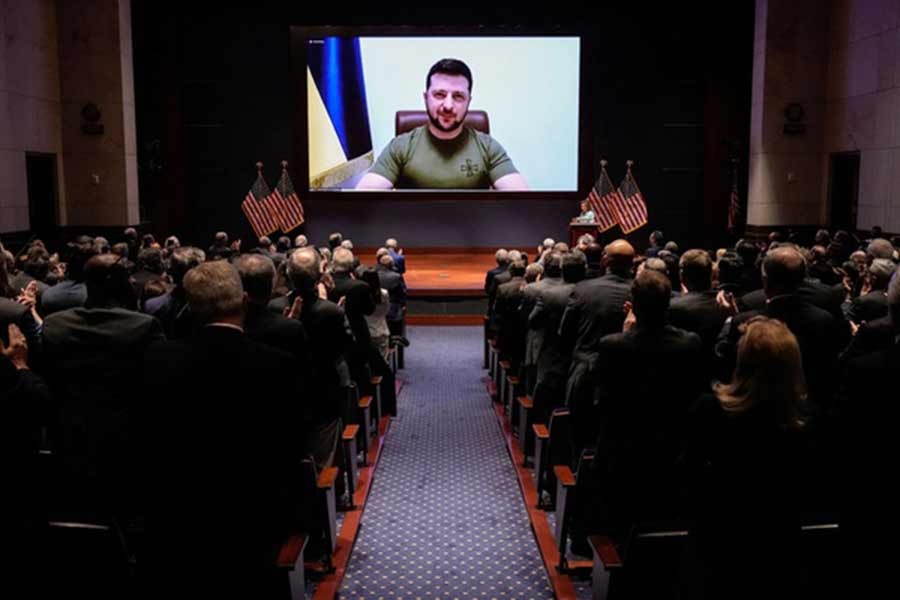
[445, 285]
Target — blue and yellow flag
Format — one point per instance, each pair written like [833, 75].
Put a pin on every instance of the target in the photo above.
[340, 140]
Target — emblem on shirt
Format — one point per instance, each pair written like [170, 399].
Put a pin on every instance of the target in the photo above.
[470, 168]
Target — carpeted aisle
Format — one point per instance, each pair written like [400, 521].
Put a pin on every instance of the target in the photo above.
[445, 517]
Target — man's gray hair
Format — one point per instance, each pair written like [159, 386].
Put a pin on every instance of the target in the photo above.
[214, 291]
[385, 260]
[300, 241]
[586, 240]
[880, 248]
[391, 243]
[342, 260]
[257, 273]
[348, 244]
[381, 252]
[532, 272]
[548, 243]
[514, 256]
[304, 263]
[501, 256]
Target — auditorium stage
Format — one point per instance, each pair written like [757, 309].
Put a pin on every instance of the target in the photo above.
[445, 285]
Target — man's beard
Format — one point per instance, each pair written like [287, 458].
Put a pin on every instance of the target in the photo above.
[436, 121]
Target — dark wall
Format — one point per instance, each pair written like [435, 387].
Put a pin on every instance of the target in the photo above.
[666, 87]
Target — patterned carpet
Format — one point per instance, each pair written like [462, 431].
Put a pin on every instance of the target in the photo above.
[445, 518]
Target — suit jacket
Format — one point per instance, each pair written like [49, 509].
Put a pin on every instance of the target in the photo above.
[172, 311]
[820, 335]
[642, 407]
[92, 359]
[489, 277]
[330, 338]
[393, 282]
[826, 297]
[699, 312]
[510, 326]
[870, 307]
[534, 339]
[399, 261]
[595, 309]
[277, 331]
[63, 295]
[359, 303]
[219, 452]
[556, 352]
[872, 336]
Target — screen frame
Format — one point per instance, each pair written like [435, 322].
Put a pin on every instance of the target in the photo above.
[300, 36]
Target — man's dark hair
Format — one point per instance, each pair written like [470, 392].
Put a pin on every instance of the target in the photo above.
[108, 283]
[553, 265]
[594, 254]
[650, 294]
[257, 276]
[730, 268]
[78, 253]
[748, 252]
[120, 249]
[696, 270]
[148, 240]
[449, 66]
[183, 260]
[37, 266]
[284, 244]
[784, 270]
[150, 259]
[657, 237]
[823, 238]
[334, 240]
[573, 267]
[517, 268]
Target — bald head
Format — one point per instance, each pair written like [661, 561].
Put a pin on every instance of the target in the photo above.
[620, 257]
[304, 269]
[783, 270]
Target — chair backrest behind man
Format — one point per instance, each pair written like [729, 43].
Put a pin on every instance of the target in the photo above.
[406, 120]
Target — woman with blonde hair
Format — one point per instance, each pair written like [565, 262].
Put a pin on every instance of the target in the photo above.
[748, 468]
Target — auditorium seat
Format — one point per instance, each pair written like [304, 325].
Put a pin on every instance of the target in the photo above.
[552, 447]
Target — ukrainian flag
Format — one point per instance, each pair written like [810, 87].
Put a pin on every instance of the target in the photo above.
[340, 140]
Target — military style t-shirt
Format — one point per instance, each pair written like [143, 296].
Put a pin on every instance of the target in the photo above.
[417, 159]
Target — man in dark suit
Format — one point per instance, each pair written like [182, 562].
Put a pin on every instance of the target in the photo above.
[595, 309]
[502, 258]
[221, 452]
[534, 338]
[171, 308]
[873, 304]
[642, 406]
[284, 332]
[511, 329]
[392, 281]
[697, 309]
[556, 351]
[92, 357]
[593, 254]
[820, 334]
[359, 302]
[828, 298]
[657, 243]
[70, 292]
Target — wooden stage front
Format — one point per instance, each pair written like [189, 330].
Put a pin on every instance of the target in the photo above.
[445, 286]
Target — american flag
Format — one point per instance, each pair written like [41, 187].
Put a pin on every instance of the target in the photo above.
[630, 207]
[257, 206]
[600, 199]
[290, 211]
[734, 203]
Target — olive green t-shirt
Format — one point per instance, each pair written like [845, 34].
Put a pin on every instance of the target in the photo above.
[417, 159]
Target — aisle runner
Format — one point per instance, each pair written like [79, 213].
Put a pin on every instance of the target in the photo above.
[445, 517]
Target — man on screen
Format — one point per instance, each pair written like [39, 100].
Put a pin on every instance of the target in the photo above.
[444, 154]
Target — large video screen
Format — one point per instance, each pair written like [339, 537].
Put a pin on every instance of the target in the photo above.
[496, 113]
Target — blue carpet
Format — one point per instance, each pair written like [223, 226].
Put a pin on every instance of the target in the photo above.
[445, 517]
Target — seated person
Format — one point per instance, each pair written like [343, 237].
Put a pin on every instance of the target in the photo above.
[444, 153]
[587, 215]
